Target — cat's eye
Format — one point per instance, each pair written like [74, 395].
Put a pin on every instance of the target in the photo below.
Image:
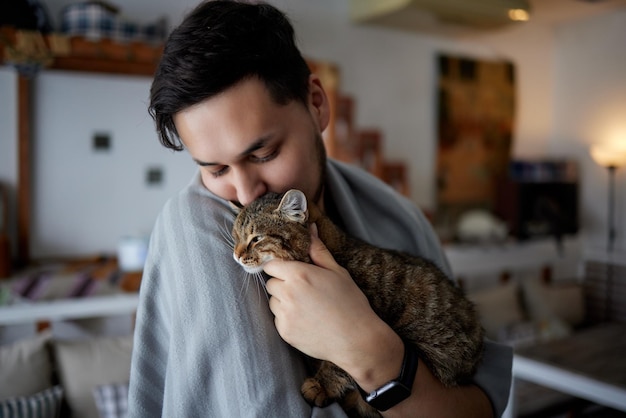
[253, 241]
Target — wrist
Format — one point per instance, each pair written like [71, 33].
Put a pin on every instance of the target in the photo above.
[400, 388]
[378, 358]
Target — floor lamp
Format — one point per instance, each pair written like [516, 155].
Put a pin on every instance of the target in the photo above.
[611, 158]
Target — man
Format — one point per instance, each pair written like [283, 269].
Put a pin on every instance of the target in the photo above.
[233, 90]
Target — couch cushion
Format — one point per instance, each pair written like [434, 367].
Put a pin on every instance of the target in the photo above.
[85, 364]
[25, 367]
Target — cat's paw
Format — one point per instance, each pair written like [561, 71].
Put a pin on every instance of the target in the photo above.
[315, 393]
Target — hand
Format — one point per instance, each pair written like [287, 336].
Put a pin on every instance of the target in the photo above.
[319, 309]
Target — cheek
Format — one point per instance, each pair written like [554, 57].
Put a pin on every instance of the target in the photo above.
[296, 176]
[298, 170]
[217, 186]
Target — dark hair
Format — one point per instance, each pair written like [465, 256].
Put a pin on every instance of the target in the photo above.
[219, 44]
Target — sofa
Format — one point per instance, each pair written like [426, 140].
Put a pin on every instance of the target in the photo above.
[528, 308]
[72, 368]
[45, 376]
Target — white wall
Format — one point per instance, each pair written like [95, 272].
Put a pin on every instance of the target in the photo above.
[85, 200]
[391, 74]
[590, 107]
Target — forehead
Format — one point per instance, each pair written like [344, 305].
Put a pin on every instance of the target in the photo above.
[241, 114]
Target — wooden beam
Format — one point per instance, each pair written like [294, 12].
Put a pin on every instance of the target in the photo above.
[106, 66]
[24, 184]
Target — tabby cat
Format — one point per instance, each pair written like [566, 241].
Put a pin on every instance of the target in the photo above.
[409, 293]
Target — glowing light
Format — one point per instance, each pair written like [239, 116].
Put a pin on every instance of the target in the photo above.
[609, 154]
[519, 15]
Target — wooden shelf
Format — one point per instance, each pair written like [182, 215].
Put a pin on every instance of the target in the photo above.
[80, 54]
[89, 307]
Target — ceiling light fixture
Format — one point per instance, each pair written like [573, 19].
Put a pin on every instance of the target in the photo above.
[519, 15]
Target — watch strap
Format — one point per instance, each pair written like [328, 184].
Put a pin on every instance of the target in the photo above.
[396, 390]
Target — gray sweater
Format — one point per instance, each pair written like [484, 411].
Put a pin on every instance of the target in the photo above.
[205, 341]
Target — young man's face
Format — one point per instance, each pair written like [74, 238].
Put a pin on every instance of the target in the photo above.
[247, 145]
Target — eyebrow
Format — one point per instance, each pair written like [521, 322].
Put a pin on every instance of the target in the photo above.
[256, 145]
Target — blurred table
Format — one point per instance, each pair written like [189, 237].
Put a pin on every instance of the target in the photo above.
[590, 364]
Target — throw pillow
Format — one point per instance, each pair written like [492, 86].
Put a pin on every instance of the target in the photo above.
[85, 364]
[498, 307]
[111, 400]
[554, 301]
[25, 367]
[45, 404]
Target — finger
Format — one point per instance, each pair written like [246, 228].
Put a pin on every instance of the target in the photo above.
[320, 255]
[276, 268]
[274, 304]
[272, 285]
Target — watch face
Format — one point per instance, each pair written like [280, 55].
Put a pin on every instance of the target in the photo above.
[388, 395]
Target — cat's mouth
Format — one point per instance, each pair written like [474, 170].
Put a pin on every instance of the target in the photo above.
[252, 269]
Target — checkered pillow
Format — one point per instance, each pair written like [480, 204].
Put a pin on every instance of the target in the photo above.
[111, 400]
[44, 404]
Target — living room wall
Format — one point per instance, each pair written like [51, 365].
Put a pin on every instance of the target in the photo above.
[85, 201]
[590, 107]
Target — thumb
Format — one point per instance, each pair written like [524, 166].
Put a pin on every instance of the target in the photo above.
[320, 255]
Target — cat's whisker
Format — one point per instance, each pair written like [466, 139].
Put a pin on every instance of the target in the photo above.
[245, 283]
[225, 232]
[260, 283]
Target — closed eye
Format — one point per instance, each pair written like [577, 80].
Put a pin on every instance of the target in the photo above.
[254, 240]
[220, 171]
[264, 158]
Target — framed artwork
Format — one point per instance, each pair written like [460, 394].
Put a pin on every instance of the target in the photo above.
[476, 112]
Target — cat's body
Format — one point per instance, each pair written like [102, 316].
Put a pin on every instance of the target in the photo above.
[409, 293]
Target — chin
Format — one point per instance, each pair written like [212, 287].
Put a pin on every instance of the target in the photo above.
[253, 270]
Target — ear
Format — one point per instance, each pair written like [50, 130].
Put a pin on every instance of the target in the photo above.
[318, 102]
[234, 207]
[293, 206]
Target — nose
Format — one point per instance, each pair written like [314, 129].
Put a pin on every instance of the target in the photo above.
[248, 186]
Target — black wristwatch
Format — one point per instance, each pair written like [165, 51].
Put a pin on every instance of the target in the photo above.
[395, 391]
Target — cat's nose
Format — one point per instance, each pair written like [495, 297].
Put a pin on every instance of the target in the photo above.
[238, 252]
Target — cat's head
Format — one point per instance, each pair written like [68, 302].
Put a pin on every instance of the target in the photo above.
[272, 227]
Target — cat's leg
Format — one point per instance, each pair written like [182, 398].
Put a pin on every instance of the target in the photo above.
[454, 365]
[332, 384]
[329, 384]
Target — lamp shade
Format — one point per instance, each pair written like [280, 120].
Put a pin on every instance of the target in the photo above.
[609, 155]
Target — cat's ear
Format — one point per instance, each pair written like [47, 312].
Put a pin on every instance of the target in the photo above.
[234, 207]
[293, 206]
